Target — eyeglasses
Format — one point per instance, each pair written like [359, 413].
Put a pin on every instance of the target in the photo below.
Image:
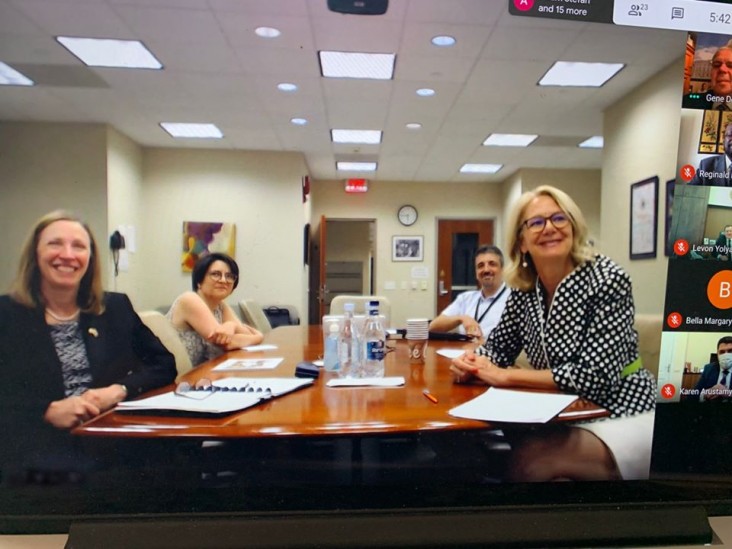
[218, 276]
[718, 64]
[204, 388]
[537, 224]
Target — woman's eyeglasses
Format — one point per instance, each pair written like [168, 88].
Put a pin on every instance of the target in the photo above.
[537, 224]
[218, 276]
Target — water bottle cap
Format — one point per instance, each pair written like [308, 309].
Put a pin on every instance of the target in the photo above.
[348, 307]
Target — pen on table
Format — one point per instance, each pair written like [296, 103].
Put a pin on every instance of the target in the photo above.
[430, 396]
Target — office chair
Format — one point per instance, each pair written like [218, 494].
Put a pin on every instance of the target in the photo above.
[253, 314]
[168, 336]
[360, 302]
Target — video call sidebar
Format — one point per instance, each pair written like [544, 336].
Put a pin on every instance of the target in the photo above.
[698, 305]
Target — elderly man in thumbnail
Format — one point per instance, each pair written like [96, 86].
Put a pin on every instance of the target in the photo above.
[719, 94]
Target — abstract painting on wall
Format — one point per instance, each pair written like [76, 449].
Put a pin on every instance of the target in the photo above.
[201, 238]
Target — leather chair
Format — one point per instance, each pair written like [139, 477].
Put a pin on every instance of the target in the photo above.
[167, 334]
[253, 314]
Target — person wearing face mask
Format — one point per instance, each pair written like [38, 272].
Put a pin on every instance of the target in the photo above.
[571, 311]
[206, 324]
[477, 312]
[715, 381]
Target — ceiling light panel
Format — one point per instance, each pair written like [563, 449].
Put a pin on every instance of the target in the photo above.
[356, 166]
[509, 140]
[566, 73]
[594, 142]
[376, 66]
[369, 137]
[103, 52]
[480, 168]
[10, 77]
[194, 131]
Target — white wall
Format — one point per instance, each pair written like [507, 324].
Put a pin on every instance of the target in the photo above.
[258, 191]
[45, 167]
[124, 208]
[641, 141]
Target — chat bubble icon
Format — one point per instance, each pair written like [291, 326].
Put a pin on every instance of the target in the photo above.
[677, 13]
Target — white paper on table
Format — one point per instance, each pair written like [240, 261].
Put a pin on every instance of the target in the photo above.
[396, 381]
[319, 363]
[262, 347]
[216, 403]
[511, 406]
[237, 364]
[450, 353]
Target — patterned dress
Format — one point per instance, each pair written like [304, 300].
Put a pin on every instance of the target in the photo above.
[199, 350]
[586, 337]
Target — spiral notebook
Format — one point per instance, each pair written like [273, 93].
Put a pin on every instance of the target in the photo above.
[238, 394]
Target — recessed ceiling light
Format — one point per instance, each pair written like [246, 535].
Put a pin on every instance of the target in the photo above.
[443, 41]
[425, 92]
[356, 166]
[414, 126]
[287, 87]
[509, 140]
[566, 73]
[340, 64]
[195, 131]
[10, 77]
[267, 32]
[104, 52]
[299, 121]
[594, 142]
[480, 168]
[356, 136]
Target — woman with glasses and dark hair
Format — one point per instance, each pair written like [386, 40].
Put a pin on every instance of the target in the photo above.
[572, 313]
[68, 350]
[205, 323]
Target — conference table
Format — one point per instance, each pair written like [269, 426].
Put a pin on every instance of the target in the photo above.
[321, 411]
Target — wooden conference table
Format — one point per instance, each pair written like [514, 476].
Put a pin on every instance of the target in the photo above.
[318, 410]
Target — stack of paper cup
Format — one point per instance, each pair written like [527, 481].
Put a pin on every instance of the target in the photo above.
[417, 335]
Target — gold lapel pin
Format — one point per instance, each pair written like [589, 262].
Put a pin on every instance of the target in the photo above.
[93, 332]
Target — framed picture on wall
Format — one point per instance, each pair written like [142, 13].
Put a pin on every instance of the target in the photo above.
[643, 218]
[407, 248]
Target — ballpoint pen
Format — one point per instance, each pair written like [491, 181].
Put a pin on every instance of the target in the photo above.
[430, 396]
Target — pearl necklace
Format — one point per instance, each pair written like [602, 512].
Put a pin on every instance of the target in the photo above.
[63, 318]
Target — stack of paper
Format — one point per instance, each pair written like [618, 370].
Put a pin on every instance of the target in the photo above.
[511, 406]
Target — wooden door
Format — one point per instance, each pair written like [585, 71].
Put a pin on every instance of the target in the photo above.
[316, 284]
[457, 241]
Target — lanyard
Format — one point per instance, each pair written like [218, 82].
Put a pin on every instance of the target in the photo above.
[477, 305]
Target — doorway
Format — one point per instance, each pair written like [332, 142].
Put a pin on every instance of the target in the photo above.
[342, 262]
[457, 240]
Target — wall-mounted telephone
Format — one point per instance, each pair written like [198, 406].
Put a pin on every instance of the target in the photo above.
[116, 243]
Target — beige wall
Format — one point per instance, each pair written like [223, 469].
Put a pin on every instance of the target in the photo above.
[260, 192]
[641, 140]
[124, 201]
[45, 167]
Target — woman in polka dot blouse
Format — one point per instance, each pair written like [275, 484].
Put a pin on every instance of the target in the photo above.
[572, 312]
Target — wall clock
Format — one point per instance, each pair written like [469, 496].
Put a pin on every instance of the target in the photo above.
[407, 215]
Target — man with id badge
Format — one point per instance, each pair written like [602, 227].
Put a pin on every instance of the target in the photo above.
[475, 313]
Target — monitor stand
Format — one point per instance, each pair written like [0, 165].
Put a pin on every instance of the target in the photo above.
[468, 527]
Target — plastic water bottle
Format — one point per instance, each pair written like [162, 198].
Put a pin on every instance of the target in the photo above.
[374, 344]
[330, 354]
[347, 344]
